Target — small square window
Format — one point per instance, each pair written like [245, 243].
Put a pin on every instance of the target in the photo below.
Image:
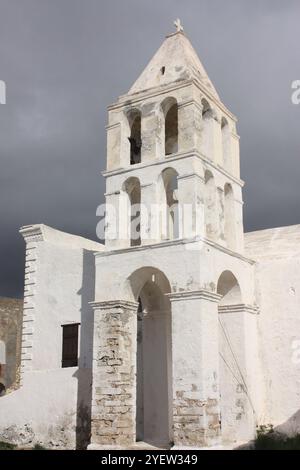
[70, 345]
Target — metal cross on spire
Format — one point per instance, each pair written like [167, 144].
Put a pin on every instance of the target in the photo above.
[178, 25]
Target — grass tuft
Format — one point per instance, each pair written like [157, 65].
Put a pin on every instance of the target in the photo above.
[268, 439]
[7, 446]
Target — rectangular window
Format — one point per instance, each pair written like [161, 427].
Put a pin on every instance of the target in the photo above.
[70, 345]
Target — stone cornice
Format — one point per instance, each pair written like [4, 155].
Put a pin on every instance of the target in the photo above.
[202, 294]
[177, 156]
[190, 102]
[236, 308]
[181, 241]
[112, 193]
[228, 251]
[114, 304]
[151, 93]
[112, 126]
[148, 246]
[186, 176]
[32, 233]
[168, 88]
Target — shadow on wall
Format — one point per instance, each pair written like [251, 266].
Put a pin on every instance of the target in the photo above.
[85, 360]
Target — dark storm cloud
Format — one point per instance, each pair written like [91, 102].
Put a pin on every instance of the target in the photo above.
[64, 61]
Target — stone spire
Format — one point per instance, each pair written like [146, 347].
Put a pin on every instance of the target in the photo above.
[175, 60]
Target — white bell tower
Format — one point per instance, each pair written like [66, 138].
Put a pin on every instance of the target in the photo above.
[171, 142]
[172, 262]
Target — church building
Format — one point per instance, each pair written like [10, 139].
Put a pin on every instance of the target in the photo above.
[180, 330]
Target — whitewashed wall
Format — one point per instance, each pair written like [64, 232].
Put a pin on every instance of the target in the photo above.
[278, 295]
[53, 400]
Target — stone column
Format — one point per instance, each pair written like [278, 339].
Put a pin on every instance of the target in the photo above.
[110, 224]
[114, 374]
[114, 146]
[191, 205]
[236, 218]
[217, 149]
[195, 357]
[237, 342]
[149, 214]
[151, 130]
[116, 224]
[189, 126]
[220, 205]
[235, 154]
[211, 137]
[238, 213]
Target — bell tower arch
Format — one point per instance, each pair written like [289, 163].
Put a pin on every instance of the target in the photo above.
[173, 116]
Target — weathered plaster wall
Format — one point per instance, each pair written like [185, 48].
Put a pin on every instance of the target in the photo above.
[53, 404]
[278, 296]
[207, 144]
[11, 312]
[192, 270]
[188, 265]
[256, 383]
[190, 161]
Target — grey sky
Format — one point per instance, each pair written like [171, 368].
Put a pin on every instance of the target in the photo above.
[64, 61]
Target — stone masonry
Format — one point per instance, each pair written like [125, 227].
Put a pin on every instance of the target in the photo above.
[113, 422]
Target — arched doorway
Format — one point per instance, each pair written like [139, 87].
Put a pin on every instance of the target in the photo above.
[235, 401]
[153, 360]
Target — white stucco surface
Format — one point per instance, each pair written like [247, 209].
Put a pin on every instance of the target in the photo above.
[277, 274]
[188, 337]
[52, 400]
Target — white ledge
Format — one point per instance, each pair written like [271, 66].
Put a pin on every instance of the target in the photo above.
[108, 304]
[195, 294]
[253, 309]
[178, 241]
[175, 156]
[44, 233]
